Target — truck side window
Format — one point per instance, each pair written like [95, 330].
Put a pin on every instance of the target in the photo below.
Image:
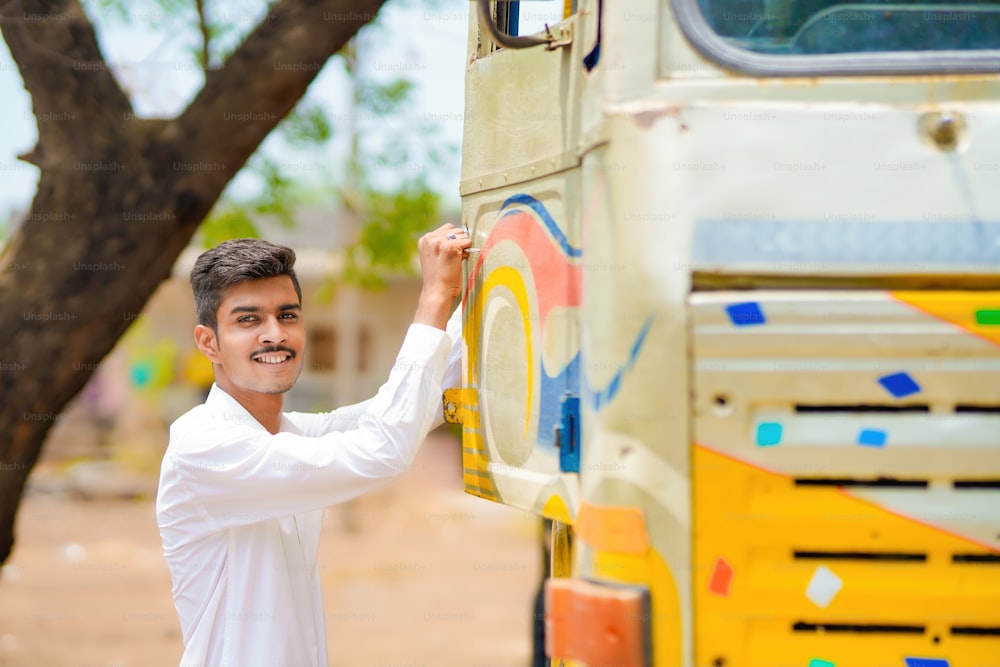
[815, 27]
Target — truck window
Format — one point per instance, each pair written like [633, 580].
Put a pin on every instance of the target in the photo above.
[534, 16]
[518, 17]
[783, 29]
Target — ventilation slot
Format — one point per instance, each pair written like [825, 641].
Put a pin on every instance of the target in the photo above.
[976, 483]
[972, 631]
[978, 409]
[862, 407]
[986, 559]
[861, 555]
[860, 628]
[879, 482]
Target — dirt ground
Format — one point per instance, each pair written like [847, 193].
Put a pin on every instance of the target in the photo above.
[415, 575]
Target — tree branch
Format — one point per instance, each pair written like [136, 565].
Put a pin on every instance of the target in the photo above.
[206, 34]
[263, 80]
[71, 85]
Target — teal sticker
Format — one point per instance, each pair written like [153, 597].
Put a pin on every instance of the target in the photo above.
[817, 662]
[768, 434]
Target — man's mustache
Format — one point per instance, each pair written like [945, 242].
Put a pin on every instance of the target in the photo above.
[273, 348]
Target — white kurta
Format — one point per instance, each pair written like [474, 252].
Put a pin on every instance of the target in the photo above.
[240, 509]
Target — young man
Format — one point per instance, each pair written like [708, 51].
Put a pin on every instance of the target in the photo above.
[243, 484]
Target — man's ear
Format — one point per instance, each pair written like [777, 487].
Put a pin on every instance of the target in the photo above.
[205, 338]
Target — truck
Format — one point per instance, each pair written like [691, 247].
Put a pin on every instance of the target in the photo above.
[734, 325]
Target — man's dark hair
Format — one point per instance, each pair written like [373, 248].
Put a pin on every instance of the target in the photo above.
[233, 262]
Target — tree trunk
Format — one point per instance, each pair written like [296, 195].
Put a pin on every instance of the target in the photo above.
[119, 198]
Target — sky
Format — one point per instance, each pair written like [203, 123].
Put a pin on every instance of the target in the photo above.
[424, 41]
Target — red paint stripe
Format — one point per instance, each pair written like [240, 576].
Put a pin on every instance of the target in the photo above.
[557, 280]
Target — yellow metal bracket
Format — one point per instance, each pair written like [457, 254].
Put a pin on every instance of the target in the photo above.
[457, 402]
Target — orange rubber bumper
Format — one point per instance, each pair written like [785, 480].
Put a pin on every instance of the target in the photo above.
[597, 624]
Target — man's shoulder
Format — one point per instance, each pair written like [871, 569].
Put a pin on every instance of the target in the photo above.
[194, 427]
[193, 418]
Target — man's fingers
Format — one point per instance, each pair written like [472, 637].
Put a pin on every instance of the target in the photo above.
[448, 237]
[455, 233]
[448, 240]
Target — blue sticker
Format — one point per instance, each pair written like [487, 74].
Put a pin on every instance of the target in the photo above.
[745, 314]
[926, 662]
[899, 384]
[768, 433]
[872, 437]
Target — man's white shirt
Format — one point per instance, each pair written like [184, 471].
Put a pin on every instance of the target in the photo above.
[240, 510]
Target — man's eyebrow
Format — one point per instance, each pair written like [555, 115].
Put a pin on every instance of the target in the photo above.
[257, 309]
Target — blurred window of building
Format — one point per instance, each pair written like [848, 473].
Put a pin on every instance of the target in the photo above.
[322, 342]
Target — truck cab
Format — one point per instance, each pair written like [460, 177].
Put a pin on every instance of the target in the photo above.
[735, 324]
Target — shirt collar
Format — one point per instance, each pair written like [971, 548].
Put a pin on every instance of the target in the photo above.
[224, 406]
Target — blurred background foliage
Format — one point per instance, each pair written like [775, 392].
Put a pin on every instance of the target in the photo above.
[377, 178]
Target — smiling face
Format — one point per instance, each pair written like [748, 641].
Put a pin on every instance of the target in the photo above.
[260, 340]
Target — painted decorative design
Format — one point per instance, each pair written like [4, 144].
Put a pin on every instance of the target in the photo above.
[872, 437]
[768, 434]
[988, 317]
[899, 385]
[823, 587]
[745, 314]
[721, 579]
[522, 297]
[926, 662]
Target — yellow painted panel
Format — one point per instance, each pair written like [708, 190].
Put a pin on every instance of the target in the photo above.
[615, 529]
[649, 570]
[775, 649]
[976, 312]
[555, 508]
[750, 590]
[475, 462]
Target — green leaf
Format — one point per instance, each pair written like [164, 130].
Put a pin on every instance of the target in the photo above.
[276, 196]
[386, 243]
[230, 223]
[306, 126]
[382, 99]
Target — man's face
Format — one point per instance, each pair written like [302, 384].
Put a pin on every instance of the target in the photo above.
[260, 338]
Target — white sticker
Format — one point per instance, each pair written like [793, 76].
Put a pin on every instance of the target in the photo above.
[823, 586]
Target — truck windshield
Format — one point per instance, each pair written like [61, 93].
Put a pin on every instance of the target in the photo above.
[814, 27]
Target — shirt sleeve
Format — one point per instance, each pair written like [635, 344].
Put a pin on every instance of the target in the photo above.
[346, 417]
[237, 473]
[342, 419]
[453, 367]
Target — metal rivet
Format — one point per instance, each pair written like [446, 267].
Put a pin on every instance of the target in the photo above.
[943, 129]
